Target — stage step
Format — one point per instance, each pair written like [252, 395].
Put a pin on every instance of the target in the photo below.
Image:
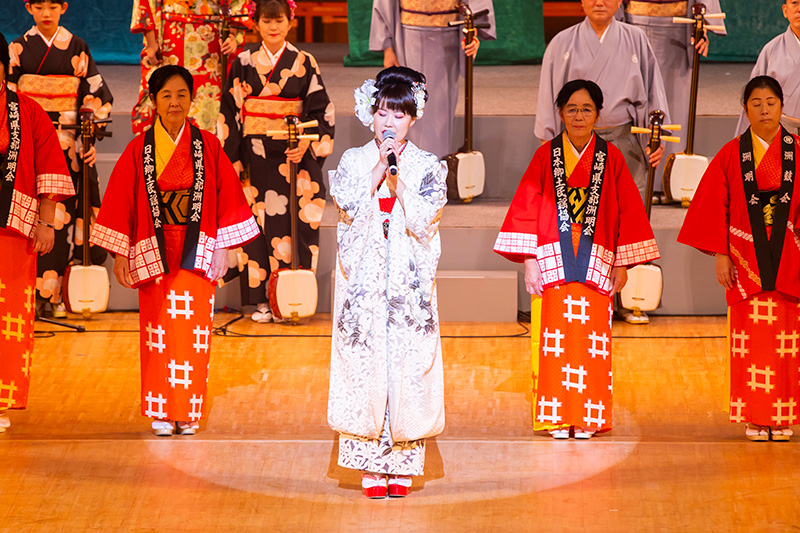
[472, 295]
[477, 295]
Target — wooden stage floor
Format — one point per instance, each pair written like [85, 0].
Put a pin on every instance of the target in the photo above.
[82, 458]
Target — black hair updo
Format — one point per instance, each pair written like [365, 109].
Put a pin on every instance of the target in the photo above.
[396, 90]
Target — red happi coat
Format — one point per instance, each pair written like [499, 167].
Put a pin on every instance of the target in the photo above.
[41, 169]
[718, 222]
[623, 236]
[125, 223]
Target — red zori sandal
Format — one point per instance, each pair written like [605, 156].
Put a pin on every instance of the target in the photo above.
[399, 486]
[373, 485]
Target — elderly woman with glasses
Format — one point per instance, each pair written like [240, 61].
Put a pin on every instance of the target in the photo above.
[578, 223]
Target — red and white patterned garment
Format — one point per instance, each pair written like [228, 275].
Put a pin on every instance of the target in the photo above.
[41, 171]
[765, 374]
[622, 237]
[176, 314]
[125, 226]
[764, 331]
[718, 221]
[572, 370]
[574, 375]
[17, 311]
[175, 307]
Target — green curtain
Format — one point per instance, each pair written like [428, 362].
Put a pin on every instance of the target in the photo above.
[520, 34]
[751, 25]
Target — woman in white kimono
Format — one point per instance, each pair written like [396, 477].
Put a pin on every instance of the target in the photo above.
[386, 386]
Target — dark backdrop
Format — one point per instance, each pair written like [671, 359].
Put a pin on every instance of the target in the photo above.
[104, 25]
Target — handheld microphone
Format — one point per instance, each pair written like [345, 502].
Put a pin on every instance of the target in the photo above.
[389, 134]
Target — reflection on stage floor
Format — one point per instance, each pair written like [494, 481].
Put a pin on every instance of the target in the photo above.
[82, 457]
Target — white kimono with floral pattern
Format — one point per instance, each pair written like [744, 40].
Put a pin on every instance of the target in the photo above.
[386, 385]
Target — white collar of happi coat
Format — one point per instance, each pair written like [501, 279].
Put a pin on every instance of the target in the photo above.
[53, 38]
[177, 139]
[764, 143]
[273, 58]
[575, 150]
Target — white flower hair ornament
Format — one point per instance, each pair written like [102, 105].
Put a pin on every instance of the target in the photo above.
[365, 100]
[420, 91]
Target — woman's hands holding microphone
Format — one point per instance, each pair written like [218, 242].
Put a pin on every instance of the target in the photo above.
[388, 152]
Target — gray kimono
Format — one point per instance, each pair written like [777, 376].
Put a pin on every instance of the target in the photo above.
[436, 52]
[780, 58]
[675, 54]
[625, 68]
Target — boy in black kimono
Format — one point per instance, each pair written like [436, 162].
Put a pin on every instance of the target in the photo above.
[55, 68]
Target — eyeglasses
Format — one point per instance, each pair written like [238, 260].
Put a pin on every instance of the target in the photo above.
[584, 111]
